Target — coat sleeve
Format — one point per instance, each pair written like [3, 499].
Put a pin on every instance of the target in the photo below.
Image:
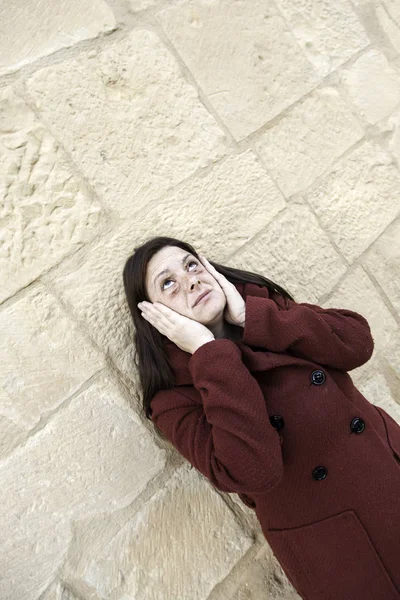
[227, 436]
[334, 337]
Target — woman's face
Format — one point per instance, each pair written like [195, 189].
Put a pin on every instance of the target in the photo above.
[179, 287]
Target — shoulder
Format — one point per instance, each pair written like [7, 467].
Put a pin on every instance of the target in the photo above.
[261, 291]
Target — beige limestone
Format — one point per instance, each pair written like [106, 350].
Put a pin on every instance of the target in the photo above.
[388, 15]
[244, 57]
[295, 252]
[44, 359]
[139, 5]
[264, 579]
[372, 105]
[389, 129]
[325, 128]
[181, 544]
[391, 355]
[358, 199]
[383, 260]
[267, 134]
[377, 390]
[129, 119]
[86, 460]
[30, 30]
[45, 211]
[329, 33]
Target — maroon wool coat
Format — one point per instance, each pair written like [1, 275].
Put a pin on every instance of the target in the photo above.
[277, 419]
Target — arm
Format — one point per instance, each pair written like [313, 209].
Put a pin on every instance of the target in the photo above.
[228, 436]
[338, 338]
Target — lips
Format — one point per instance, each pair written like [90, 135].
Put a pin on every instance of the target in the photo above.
[201, 296]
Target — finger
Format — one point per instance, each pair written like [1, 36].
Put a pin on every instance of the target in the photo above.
[210, 268]
[159, 315]
[222, 280]
[154, 321]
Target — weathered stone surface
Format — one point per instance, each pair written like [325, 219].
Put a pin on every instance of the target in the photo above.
[369, 100]
[296, 253]
[391, 353]
[383, 260]
[265, 578]
[44, 357]
[388, 17]
[29, 30]
[358, 199]
[129, 119]
[377, 391]
[181, 544]
[218, 213]
[329, 33]
[325, 128]
[45, 212]
[390, 132]
[93, 456]
[243, 56]
[138, 5]
[58, 591]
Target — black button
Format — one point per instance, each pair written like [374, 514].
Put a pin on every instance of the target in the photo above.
[277, 422]
[357, 425]
[319, 473]
[318, 377]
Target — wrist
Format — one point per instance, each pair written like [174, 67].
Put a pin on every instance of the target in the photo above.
[202, 342]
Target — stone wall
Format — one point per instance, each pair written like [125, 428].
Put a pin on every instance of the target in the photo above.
[265, 133]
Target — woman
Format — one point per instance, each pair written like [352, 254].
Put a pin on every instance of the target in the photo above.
[253, 390]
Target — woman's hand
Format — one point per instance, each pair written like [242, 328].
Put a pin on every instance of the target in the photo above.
[186, 333]
[235, 310]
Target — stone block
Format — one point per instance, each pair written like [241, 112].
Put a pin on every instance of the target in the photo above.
[131, 122]
[329, 33]
[264, 578]
[306, 141]
[181, 544]
[30, 30]
[371, 103]
[244, 57]
[377, 391]
[44, 359]
[294, 252]
[46, 213]
[383, 260]
[93, 457]
[358, 199]
[388, 17]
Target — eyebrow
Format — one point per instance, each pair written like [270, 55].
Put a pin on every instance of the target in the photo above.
[168, 270]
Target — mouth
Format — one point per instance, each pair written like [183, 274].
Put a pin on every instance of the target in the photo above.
[202, 298]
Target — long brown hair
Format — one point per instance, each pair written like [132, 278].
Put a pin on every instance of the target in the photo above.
[154, 369]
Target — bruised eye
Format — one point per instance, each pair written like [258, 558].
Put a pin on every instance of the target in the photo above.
[191, 262]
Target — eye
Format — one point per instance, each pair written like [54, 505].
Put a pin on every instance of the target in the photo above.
[189, 263]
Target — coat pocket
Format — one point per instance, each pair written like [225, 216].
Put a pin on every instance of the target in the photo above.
[332, 559]
[392, 431]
